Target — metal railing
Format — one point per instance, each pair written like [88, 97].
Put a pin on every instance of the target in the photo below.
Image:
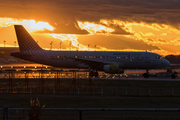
[11, 113]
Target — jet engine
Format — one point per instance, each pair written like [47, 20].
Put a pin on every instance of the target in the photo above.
[112, 69]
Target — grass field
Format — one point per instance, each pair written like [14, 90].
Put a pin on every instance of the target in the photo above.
[109, 87]
[97, 101]
[69, 101]
[74, 101]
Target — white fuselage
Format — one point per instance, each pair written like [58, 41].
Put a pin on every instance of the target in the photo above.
[86, 59]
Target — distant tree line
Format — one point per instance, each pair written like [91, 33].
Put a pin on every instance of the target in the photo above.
[173, 58]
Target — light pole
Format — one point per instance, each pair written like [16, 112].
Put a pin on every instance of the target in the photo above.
[4, 43]
[51, 44]
[78, 46]
[70, 45]
[60, 45]
[88, 46]
[14, 43]
[37, 42]
[95, 47]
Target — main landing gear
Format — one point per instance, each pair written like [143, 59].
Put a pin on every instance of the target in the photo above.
[146, 75]
[92, 73]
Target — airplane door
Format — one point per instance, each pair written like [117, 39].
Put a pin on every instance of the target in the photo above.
[147, 58]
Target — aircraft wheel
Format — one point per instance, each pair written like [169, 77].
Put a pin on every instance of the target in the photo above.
[173, 76]
[146, 75]
[91, 74]
[96, 74]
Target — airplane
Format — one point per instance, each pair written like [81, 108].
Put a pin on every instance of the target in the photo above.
[113, 62]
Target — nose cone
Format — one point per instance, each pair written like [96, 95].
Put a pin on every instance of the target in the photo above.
[166, 63]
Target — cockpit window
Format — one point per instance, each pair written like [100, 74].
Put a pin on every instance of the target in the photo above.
[158, 57]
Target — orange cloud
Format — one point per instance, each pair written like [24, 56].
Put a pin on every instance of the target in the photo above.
[94, 28]
[30, 25]
[153, 37]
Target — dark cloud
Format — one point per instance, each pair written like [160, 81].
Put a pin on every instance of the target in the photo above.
[161, 40]
[69, 11]
[149, 39]
[115, 42]
[65, 29]
[119, 30]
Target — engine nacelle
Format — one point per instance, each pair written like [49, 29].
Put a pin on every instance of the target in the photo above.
[112, 69]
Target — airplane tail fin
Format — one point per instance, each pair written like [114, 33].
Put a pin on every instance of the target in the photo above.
[25, 41]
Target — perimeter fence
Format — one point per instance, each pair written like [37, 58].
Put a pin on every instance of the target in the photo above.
[86, 87]
[92, 113]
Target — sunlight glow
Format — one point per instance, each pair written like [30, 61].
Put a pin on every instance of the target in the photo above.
[94, 28]
[164, 36]
[158, 33]
[70, 38]
[36, 26]
[30, 25]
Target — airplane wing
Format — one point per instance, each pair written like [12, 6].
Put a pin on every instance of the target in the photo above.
[93, 64]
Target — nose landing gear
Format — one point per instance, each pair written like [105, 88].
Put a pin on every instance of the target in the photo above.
[146, 75]
[92, 73]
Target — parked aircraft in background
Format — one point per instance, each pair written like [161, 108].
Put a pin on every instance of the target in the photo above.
[113, 62]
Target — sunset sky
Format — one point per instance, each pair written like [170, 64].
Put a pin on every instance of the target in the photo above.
[110, 25]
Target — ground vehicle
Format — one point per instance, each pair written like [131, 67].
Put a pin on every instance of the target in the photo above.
[169, 73]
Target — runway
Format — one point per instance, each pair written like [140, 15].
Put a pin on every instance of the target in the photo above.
[34, 71]
[143, 79]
